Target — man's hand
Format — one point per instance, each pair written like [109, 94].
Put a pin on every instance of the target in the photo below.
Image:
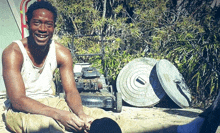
[87, 121]
[71, 121]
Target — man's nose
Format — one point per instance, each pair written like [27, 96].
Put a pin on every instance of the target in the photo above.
[43, 28]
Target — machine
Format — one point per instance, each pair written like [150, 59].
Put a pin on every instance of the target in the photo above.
[94, 89]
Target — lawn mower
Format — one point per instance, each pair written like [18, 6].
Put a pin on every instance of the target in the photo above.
[94, 88]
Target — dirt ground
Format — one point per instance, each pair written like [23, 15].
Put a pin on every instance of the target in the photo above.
[138, 120]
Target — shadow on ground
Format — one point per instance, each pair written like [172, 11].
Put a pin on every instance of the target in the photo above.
[170, 129]
[184, 113]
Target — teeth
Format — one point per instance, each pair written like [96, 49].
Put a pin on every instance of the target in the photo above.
[41, 36]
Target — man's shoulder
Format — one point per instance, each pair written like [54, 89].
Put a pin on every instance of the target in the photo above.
[63, 54]
[61, 49]
[12, 53]
[12, 48]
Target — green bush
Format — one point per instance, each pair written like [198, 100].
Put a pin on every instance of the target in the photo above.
[147, 28]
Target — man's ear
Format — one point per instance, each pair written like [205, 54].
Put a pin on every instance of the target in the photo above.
[55, 25]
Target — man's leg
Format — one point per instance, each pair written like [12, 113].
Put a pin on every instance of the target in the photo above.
[24, 122]
[30, 123]
[212, 118]
[192, 127]
[207, 122]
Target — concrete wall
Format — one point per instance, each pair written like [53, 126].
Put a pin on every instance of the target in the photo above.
[9, 27]
[9, 31]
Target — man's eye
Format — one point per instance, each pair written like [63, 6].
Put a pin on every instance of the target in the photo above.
[49, 24]
[37, 23]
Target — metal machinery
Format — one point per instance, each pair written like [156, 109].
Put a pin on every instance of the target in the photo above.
[93, 86]
[94, 90]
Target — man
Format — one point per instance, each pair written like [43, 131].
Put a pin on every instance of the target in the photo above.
[207, 122]
[28, 67]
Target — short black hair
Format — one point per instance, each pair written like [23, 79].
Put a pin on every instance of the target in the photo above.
[41, 5]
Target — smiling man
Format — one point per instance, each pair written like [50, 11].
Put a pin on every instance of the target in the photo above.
[28, 67]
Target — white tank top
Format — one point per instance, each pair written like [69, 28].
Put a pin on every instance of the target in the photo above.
[38, 80]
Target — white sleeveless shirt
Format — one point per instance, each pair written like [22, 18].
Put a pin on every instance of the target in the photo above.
[38, 80]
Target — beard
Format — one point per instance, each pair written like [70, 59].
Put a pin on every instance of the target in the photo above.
[32, 44]
[39, 52]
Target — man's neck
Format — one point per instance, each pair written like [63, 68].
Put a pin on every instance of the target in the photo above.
[38, 53]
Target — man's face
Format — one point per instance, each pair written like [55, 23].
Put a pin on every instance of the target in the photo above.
[41, 26]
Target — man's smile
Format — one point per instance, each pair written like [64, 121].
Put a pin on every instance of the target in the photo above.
[41, 37]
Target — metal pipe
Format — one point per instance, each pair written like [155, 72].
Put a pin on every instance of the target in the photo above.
[21, 15]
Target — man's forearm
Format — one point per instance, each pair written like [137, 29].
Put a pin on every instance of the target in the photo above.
[75, 103]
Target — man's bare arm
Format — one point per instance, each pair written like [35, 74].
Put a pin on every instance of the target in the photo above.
[73, 98]
[12, 61]
[65, 65]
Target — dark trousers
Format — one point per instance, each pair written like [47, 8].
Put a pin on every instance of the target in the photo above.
[212, 117]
